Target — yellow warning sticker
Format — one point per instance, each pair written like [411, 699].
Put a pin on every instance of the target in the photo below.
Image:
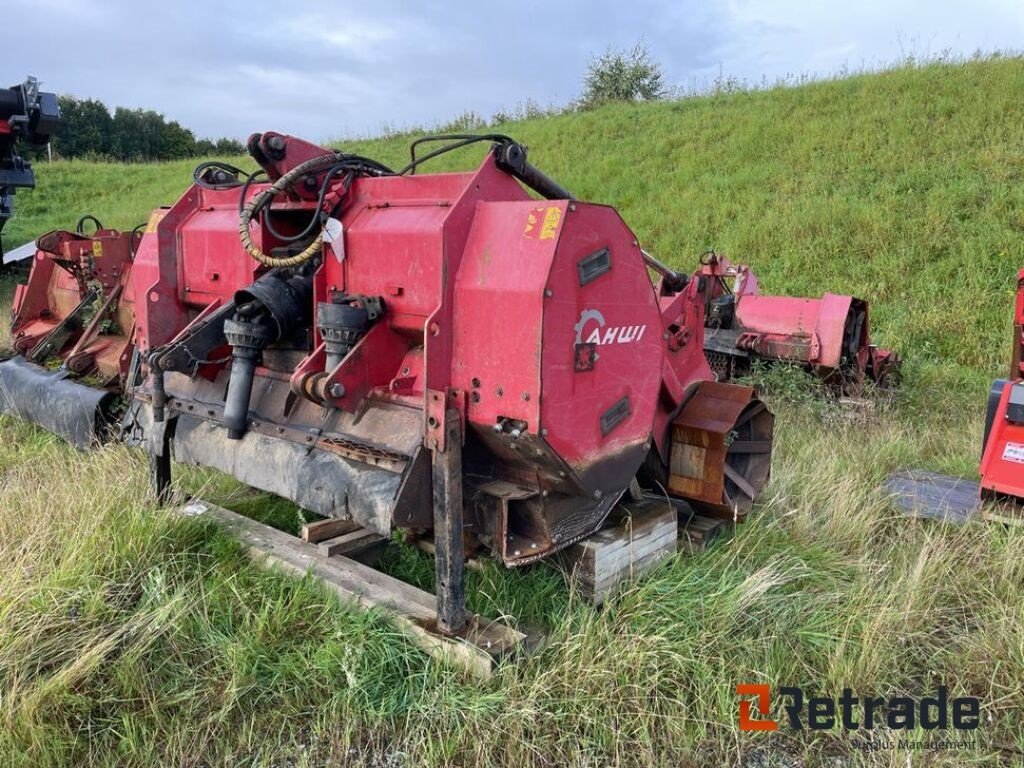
[548, 218]
[154, 218]
[531, 222]
[550, 226]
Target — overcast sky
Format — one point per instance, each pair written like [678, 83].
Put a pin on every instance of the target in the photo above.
[332, 69]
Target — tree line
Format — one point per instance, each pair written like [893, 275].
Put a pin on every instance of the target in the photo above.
[88, 129]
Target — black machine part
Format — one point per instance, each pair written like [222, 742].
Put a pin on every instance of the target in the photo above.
[266, 311]
[343, 321]
[721, 312]
[54, 401]
[853, 333]
[248, 333]
[1015, 405]
[33, 117]
[511, 158]
[287, 298]
[995, 394]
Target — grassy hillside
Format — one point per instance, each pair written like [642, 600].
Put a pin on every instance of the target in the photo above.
[126, 638]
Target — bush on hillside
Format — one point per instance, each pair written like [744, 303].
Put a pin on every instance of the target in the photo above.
[619, 75]
[467, 122]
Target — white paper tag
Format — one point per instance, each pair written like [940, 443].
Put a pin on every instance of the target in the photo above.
[334, 234]
[1014, 452]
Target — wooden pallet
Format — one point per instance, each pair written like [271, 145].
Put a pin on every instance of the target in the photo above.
[696, 532]
[637, 538]
[327, 528]
[410, 608]
[630, 545]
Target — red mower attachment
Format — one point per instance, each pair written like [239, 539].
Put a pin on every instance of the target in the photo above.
[827, 336]
[1000, 492]
[72, 329]
[444, 354]
[1002, 460]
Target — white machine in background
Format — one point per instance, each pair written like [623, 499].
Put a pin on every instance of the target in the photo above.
[21, 253]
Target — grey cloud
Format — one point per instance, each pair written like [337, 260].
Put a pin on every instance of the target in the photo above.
[327, 69]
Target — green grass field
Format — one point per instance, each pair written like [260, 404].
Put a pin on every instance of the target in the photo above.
[127, 638]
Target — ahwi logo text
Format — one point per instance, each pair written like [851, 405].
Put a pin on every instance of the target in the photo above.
[602, 335]
[855, 712]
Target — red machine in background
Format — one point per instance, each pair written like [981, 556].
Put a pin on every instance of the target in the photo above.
[1002, 460]
[72, 326]
[828, 336]
[998, 494]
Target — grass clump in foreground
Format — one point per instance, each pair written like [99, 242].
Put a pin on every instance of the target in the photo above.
[127, 638]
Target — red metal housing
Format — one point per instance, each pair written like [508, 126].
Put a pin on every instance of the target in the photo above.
[73, 329]
[1002, 461]
[532, 323]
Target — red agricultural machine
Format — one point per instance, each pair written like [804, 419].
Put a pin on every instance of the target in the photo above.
[435, 353]
[1000, 492]
[1002, 460]
[475, 356]
[447, 353]
[72, 328]
[827, 336]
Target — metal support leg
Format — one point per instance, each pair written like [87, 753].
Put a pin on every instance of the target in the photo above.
[160, 460]
[449, 558]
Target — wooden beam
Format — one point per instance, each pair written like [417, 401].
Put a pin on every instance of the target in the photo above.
[750, 446]
[412, 610]
[741, 482]
[614, 555]
[349, 543]
[328, 528]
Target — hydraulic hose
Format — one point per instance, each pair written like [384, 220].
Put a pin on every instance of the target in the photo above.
[261, 200]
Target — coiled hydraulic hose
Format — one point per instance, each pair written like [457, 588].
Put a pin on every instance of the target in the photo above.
[510, 156]
[259, 201]
[335, 163]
